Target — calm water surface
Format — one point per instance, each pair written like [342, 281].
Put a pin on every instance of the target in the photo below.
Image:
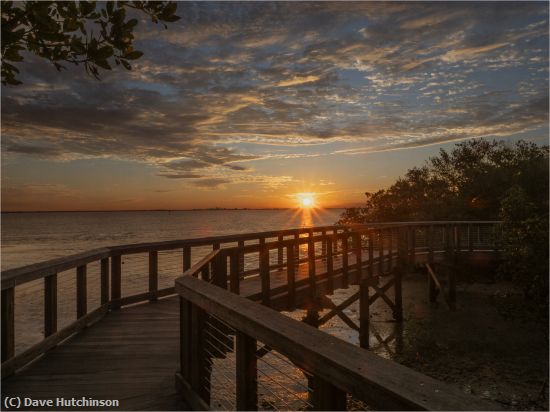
[33, 237]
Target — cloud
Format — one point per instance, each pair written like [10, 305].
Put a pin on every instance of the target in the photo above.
[372, 76]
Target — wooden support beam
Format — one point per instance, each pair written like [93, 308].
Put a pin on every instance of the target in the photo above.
[81, 293]
[116, 281]
[8, 324]
[265, 273]
[291, 277]
[186, 257]
[390, 250]
[412, 246]
[296, 249]
[50, 305]
[104, 281]
[337, 309]
[247, 373]
[153, 274]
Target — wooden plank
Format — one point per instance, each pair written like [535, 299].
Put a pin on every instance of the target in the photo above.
[247, 373]
[241, 257]
[81, 292]
[311, 269]
[116, 281]
[189, 395]
[153, 274]
[333, 359]
[8, 324]
[141, 297]
[280, 251]
[104, 281]
[50, 305]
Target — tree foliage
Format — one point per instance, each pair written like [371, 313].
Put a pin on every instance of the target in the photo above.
[470, 182]
[479, 180]
[75, 32]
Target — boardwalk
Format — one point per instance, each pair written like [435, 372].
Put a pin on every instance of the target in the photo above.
[133, 354]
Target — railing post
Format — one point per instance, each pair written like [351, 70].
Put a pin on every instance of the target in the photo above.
[153, 275]
[198, 355]
[335, 241]
[116, 273]
[219, 275]
[431, 284]
[326, 396]
[81, 294]
[399, 270]
[412, 255]
[234, 280]
[291, 277]
[364, 313]
[380, 252]
[345, 266]
[104, 281]
[247, 373]
[358, 257]
[371, 254]
[296, 249]
[8, 323]
[324, 244]
[330, 266]
[470, 239]
[241, 258]
[390, 250]
[186, 257]
[185, 340]
[311, 267]
[280, 260]
[264, 273]
[50, 305]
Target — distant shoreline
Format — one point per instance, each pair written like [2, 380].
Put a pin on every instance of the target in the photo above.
[163, 210]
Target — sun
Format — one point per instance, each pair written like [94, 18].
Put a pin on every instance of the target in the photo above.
[307, 202]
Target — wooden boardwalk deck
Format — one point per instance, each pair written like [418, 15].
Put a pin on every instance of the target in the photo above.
[131, 355]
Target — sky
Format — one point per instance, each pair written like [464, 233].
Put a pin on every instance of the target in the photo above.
[250, 104]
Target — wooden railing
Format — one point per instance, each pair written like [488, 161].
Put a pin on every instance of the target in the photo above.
[335, 368]
[239, 257]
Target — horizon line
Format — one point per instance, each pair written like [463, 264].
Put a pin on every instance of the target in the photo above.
[168, 210]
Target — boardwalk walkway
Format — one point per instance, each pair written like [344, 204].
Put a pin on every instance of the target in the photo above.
[130, 355]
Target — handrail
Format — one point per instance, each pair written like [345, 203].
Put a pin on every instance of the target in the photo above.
[361, 373]
[27, 273]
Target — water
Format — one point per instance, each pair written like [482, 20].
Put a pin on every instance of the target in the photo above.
[33, 237]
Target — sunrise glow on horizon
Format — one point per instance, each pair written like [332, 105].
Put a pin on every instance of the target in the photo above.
[247, 105]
